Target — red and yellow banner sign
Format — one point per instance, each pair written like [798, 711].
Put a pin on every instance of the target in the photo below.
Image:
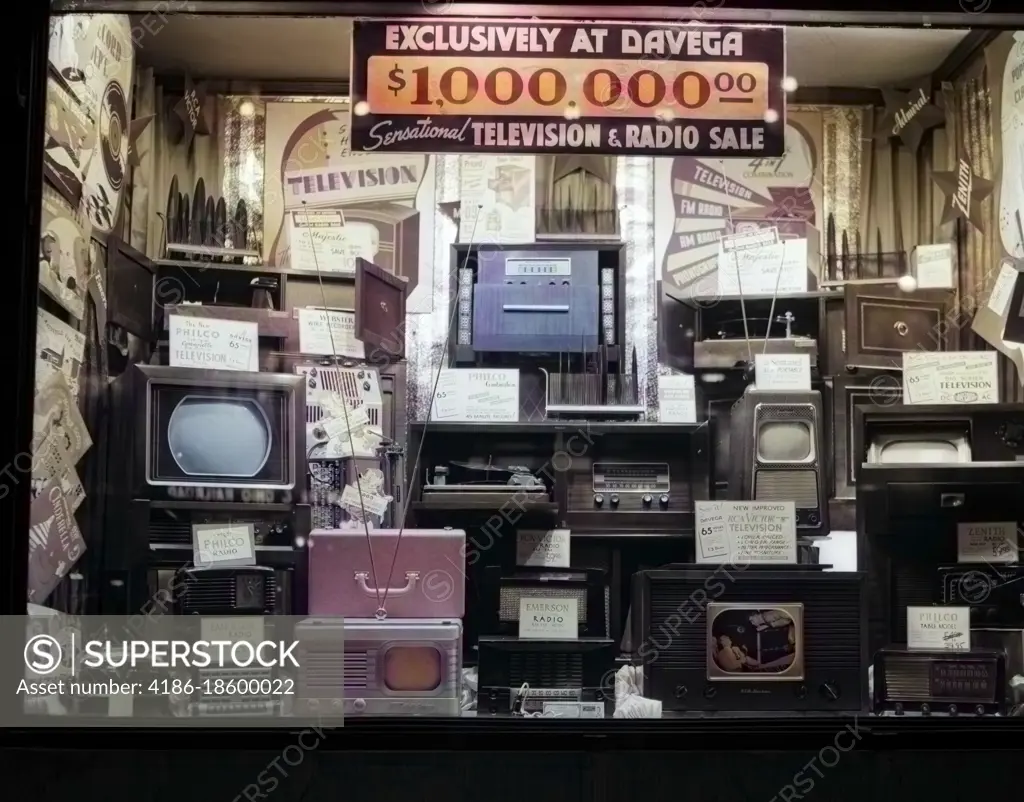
[528, 87]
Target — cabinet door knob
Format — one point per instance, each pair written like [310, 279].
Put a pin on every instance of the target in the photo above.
[902, 328]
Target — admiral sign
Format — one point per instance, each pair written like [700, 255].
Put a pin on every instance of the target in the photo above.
[424, 86]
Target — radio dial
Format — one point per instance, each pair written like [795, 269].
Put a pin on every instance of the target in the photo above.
[663, 501]
[614, 500]
[648, 499]
[598, 500]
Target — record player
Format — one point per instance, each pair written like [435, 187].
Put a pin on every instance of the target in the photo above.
[723, 334]
[480, 477]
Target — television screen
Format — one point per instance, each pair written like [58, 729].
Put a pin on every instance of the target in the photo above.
[755, 641]
[785, 441]
[219, 436]
[413, 668]
[934, 448]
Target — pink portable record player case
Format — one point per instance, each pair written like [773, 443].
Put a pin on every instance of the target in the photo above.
[427, 581]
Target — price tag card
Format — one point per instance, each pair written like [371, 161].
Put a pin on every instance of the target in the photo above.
[933, 266]
[544, 549]
[204, 342]
[373, 502]
[237, 629]
[782, 372]
[750, 239]
[779, 268]
[548, 618]
[677, 399]
[471, 395]
[223, 545]
[1002, 290]
[987, 542]
[954, 377]
[941, 628]
[745, 532]
[329, 332]
[320, 240]
[712, 537]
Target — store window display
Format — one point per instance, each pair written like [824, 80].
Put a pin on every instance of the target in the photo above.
[432, 366]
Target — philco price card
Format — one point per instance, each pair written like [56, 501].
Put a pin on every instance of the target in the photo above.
[955, 377]
[197, 342]
[223, 545]
[480, 396]
[987, 542]
[548, 618]
[942, 628]
[743, 532]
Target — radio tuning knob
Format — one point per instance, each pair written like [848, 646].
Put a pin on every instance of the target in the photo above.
[953, 710]
[980, 710]
[614, 500]
[926, 710]
[598, 500]
[663, 501]
[648, 499]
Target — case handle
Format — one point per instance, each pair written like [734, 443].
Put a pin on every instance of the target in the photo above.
[558, 308]
[362, 579]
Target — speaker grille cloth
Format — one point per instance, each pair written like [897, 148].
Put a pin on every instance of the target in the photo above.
[800, 487]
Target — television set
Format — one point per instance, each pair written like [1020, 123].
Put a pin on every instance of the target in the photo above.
[771, 639]
[209, 435]
[913, 434]
[924, 471]
[777, 453]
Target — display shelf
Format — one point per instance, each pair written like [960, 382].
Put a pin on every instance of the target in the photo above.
[263, 270]
[553, 426]
[502, 733]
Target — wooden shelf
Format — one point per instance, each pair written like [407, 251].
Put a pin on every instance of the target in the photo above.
[257, 270]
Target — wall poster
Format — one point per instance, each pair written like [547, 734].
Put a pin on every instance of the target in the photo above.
[697, 200]
[1011, 191]
[323, 206]
[88, 103]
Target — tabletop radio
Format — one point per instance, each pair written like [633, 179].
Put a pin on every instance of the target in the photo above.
[940, 682]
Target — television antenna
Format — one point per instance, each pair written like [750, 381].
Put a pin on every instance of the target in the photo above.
[381, 596]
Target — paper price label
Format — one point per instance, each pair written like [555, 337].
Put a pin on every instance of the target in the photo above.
[782, 372]
[237, 629]
[746, 532]
[197, 342]
[987, 542]
[223, 545]
[942, 628]
[373, 503]
[677, 399]
[548, 549]
[548, 618]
